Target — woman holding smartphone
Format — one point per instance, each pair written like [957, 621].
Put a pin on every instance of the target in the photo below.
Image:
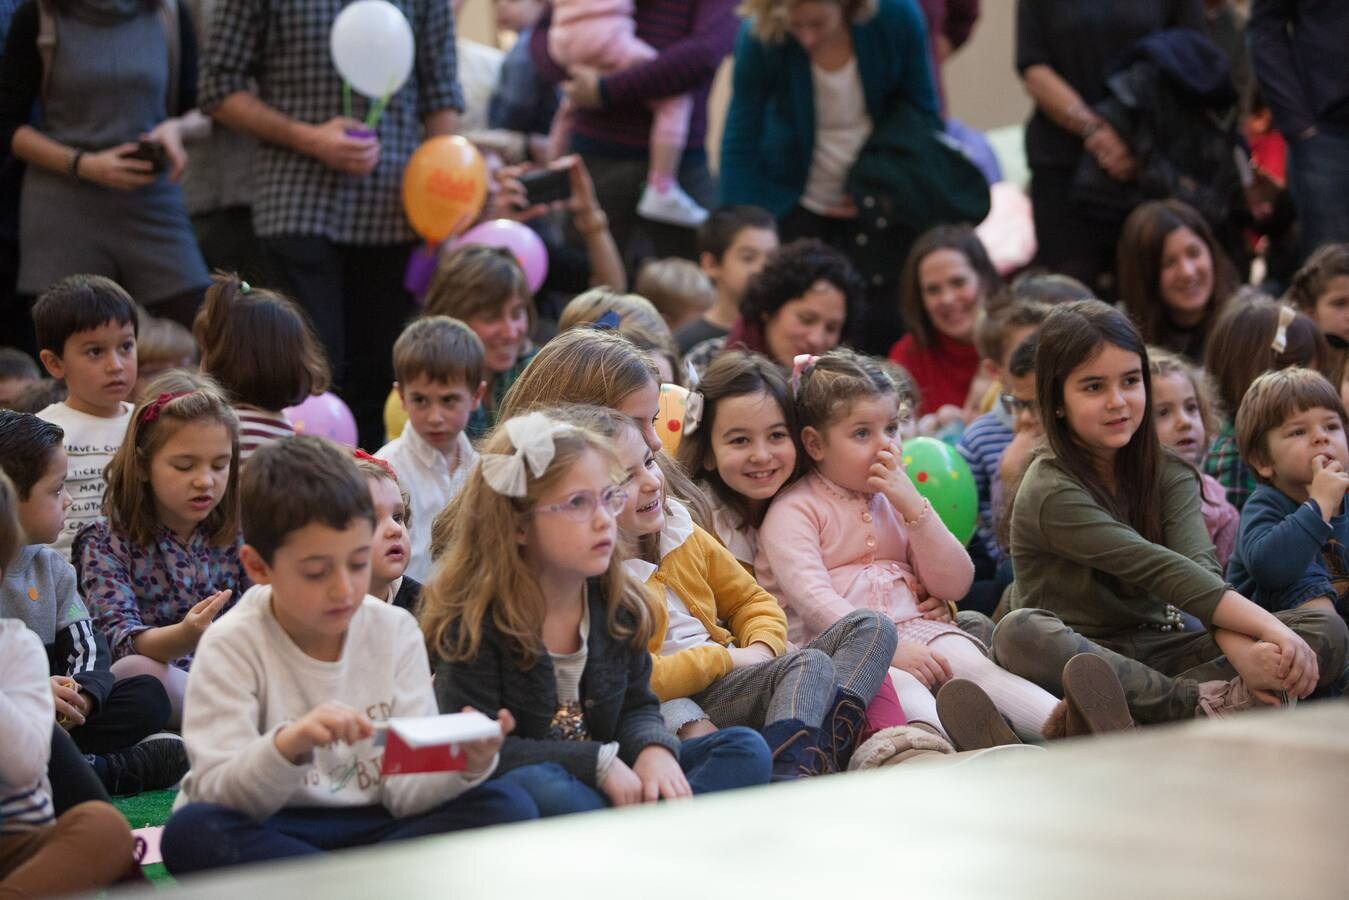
[104, 155]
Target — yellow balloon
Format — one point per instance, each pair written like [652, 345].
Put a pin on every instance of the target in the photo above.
[670, 419]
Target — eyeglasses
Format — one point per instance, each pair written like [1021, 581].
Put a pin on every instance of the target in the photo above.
[1014, 406]
[580, 507]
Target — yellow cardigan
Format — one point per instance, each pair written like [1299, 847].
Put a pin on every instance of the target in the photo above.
[716, 589]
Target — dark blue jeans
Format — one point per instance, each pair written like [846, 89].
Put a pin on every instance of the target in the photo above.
[729, 758]
[204, 836]
[1318, 178]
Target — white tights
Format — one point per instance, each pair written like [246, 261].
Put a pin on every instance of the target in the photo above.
[1027, 705]
[173, 679]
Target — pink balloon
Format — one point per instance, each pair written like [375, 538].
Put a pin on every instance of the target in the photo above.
[524, 244]
[326, 416]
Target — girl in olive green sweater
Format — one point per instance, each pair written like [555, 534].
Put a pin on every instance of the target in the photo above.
[1108, 545]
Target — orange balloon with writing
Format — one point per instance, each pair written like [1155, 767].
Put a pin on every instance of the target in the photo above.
[444, 187]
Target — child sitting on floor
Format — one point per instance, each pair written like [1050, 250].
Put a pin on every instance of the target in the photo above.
[286, 690]
[108, 719]
[855, 533]
[261, 350]
[165, 562]
[392, 548]
[1293, 550]
[551, 628]
[89, 845]
[1183, 414]
[438, 362]
[86, 326]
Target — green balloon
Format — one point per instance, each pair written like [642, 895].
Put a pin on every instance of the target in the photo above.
[943, 476]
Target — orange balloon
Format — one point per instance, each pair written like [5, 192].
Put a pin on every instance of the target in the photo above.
[444, 187]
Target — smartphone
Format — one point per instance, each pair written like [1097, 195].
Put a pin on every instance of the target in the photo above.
[153, 153]
[546, 185]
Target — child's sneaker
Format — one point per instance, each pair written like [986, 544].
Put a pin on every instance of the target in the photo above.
[671, 206]
[159, 761]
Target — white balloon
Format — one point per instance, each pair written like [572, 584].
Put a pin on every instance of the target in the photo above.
[372, 48]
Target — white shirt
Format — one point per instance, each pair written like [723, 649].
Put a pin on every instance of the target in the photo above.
[479, 72]
[841, 128]
[90, 443]
[683, 631]
[26, 715]
[432, 479]
[249, 679]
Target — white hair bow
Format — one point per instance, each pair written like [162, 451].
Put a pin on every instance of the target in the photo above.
[532, 435]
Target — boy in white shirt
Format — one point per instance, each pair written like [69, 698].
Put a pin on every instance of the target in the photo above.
[86, 329]
[284, 691]
[438, 362]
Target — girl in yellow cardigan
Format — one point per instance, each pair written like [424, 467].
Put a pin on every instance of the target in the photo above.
[721, 640]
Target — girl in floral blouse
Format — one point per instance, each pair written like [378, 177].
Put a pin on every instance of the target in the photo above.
[165, 562]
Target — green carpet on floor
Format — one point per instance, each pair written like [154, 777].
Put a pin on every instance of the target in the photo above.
[149, 808]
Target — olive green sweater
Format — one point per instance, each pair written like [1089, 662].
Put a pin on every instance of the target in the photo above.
[1097, 574]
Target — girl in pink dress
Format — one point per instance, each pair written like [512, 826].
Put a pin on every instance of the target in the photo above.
[1184, 413]
[855, 533]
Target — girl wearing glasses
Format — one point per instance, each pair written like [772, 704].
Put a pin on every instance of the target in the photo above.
[553, 629]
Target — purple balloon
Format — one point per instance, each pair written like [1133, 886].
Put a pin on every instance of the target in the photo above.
[524, 244]
[326, 416]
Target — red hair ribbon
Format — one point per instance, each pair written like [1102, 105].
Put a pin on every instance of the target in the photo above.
[156, 406]
[358, 453]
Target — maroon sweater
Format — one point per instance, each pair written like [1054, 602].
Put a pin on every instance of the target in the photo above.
[692, 37]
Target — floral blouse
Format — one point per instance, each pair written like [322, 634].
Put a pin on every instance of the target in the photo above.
[131, 588]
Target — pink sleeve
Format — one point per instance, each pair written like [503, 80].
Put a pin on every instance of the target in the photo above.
[790, 565]
[941, 564]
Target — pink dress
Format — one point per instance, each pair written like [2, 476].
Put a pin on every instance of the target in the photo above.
[1220, 517]
[825, 551]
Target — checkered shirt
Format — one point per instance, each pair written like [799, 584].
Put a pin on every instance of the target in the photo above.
[279, 48]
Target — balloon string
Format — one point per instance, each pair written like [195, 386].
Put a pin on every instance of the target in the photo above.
[346, 98]
[380, 105]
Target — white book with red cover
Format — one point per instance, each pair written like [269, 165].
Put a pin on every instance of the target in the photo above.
[431, 743]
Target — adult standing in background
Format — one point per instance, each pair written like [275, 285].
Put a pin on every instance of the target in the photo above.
[950, 23]
[612, 127]
[218, 186]
[1063, 50]
[120, 71]
[812, 79]
[1301, 53]
[327, 206]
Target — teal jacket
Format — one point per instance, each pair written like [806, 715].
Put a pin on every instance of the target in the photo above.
[769, 136]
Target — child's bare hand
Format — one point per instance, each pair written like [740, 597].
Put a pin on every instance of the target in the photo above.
[70, 703]
[661, 776]
[928, 666]
[329, 723]
[621, 785]
[887, 476]
[481, 753]
[935, 610]
[749, 656]
[1298, 671]
[1329, 482]
[200, 616]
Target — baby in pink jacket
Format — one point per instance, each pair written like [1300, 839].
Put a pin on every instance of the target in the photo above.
[601, 34]
[855, 534]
